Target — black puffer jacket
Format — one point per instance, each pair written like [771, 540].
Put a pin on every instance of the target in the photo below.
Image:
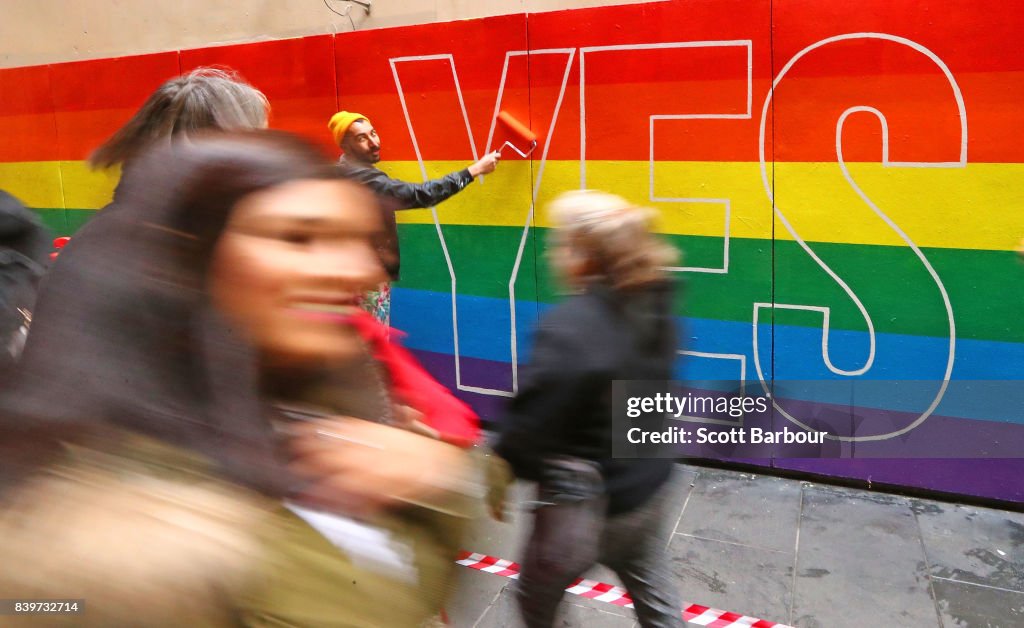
[564, 403]
[22, 231]
[24, 251]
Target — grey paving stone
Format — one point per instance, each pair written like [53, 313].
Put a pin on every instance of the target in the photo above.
[759, 511]
[860, 559]
[684, 478]
[970, 606]
[476, 590]
[732, 577]
[501, 614]
[502, 539]
[474, 594]
[860, 562]
[972, 544]
[576, 615]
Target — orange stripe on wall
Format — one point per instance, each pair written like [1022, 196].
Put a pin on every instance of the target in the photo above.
[921, 128]
[921, 113]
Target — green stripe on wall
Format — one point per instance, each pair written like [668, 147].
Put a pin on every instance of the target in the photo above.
[985, 287]
[78, 217]
[54, 220]
[64, 222]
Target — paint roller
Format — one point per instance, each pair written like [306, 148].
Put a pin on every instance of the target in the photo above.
[520, 130]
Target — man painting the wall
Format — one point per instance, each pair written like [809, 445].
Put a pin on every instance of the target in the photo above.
[360, 146]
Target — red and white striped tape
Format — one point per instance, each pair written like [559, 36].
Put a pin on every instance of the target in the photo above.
[693, 613]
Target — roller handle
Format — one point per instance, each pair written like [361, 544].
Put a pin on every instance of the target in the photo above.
[520, 130]
[519, 152]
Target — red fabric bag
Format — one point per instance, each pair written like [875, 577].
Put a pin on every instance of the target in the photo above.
[412, 385]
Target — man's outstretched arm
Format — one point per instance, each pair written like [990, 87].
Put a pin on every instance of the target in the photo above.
[428, 193]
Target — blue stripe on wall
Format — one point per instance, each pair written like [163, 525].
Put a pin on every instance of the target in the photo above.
[986, 379]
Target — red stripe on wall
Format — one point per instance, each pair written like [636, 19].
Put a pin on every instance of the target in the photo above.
[971, 35]
[297, 75]
[307, 79]
[982, 35]
[27, 123]
[92, 99]
[478, 45]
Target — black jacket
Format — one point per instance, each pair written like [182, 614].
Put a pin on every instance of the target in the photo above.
[398, 195]
[24, 256]
[564, 405]
[22, 231]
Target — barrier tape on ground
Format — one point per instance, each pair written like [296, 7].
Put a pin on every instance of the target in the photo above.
[693, 613]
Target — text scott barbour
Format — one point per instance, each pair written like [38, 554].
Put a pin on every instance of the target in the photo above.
[719, 407]
[734, 436]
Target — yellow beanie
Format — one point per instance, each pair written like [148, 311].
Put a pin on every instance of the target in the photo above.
[341, 121]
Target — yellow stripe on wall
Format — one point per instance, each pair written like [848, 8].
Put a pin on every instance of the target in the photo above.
[980, 206]
[85, 188]
[35, 183]
[59, 184]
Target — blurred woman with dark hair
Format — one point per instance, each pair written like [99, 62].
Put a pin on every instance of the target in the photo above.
[218, 337]
[617, 325]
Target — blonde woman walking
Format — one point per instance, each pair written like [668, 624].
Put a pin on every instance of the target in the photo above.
[617, 325]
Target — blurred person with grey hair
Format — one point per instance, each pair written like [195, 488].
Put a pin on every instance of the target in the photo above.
[616, 325]
[202, 101]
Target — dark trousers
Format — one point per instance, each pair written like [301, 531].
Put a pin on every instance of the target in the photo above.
[568, 538]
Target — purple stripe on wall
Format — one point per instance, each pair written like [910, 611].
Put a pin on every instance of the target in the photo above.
[936, 437]
[991, 477]
[485, 373]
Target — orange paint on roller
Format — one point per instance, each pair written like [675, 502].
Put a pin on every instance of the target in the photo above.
[519, 129]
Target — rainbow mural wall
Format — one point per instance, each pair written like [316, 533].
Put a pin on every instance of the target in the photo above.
[843, 178]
